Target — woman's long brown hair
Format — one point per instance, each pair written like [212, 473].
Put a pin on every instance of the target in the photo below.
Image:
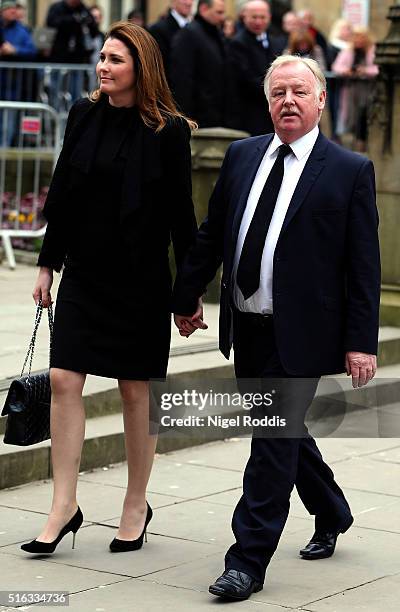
[153, 95]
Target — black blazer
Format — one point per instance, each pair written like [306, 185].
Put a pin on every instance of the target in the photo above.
[248, 62]
[164, 31]
[326, 277]
[198, 72]
[156, 198]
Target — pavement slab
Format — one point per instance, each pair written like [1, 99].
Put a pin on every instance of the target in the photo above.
[175, 478]
[36, 497]
[194, 492]
[91, 552]
[21, 572]
[230, 455]
[335, 450]
[135, 594]
[290, 579]
[381, 594]
[365, 474]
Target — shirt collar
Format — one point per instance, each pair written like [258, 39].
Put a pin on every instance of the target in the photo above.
[300, 147]
[262, 36]
[182, 21]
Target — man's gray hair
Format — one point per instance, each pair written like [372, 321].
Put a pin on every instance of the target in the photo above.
[310, 63]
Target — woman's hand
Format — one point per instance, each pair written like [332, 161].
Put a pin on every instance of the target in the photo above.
[43, 286]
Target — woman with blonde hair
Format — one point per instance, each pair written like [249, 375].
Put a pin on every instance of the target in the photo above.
[121, 190]
[356, 64]
[303, 44]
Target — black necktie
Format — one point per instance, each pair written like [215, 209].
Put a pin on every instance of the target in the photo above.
[248, 272]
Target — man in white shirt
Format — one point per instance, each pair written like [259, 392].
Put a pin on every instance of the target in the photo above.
[165, 28]
[293, 219]
[251, 52]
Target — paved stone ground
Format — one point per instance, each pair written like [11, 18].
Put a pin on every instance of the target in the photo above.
[193, 493]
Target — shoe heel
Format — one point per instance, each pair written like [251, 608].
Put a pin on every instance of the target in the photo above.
[73, 539]
[145, 536]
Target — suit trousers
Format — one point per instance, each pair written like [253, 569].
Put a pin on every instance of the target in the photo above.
[278, 460]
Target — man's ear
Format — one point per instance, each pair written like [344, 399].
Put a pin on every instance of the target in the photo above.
[321, 100]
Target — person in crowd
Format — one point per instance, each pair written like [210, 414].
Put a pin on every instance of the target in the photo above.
[177, 17]
[16, 45]
[98, 41]
[303, 44]
[251, 52]
[22, 15]
[299, 299]
[76, 30]
[229, 27]
[198, 65]
[120, 191]
[340, 38]
[97, 14]
[278, 9]
[290, 23]
[136, 16]
[17, 40]
[356, 64]
[306, 18]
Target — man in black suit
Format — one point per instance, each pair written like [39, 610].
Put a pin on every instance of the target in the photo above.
[293, 219]
[251, 52]
[163, 30]
[197, 66]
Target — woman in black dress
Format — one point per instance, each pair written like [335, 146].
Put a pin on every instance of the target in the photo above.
[121, 190]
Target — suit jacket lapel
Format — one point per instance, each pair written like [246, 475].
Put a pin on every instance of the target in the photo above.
[312, 169]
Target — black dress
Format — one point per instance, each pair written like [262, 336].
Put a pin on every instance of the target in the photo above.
[101, 327]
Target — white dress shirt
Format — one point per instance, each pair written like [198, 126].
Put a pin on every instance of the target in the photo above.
[261, 300]
[263, 39]
[181, 21]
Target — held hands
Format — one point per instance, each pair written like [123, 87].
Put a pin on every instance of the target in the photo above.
[187, 325]
[43, 286]
[361, 367]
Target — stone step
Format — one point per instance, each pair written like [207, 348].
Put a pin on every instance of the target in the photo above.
[104, 439]
[390, 306]
[101, 395]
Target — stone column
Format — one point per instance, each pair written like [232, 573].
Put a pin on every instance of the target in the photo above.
[208, 150]
[384, 150]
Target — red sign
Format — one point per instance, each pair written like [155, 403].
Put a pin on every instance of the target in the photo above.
[31, 125]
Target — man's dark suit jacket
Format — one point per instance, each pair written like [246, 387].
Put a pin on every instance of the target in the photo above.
[198, 72]
[164, 31]
[326, 275]
[156, 198]
[248, 62]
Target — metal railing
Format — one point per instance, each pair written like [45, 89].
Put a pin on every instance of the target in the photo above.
[57, 85]
[25, 169]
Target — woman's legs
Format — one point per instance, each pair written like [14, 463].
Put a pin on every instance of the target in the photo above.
[140, 448]
[67, 422]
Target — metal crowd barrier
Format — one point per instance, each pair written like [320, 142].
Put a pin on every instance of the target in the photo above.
[57, 85]
[29, 148]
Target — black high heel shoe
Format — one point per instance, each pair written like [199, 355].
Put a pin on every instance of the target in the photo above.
[38, 547]
[127, 545]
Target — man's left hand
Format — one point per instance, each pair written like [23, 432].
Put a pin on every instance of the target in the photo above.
[361, 367]
[188, 324]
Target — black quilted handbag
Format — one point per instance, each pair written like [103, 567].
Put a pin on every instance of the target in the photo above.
[27, 405]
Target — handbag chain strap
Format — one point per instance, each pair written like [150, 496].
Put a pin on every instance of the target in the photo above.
[31, 348]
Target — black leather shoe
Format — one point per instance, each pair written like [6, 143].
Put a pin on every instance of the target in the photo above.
[322, 544]
[235, 585]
